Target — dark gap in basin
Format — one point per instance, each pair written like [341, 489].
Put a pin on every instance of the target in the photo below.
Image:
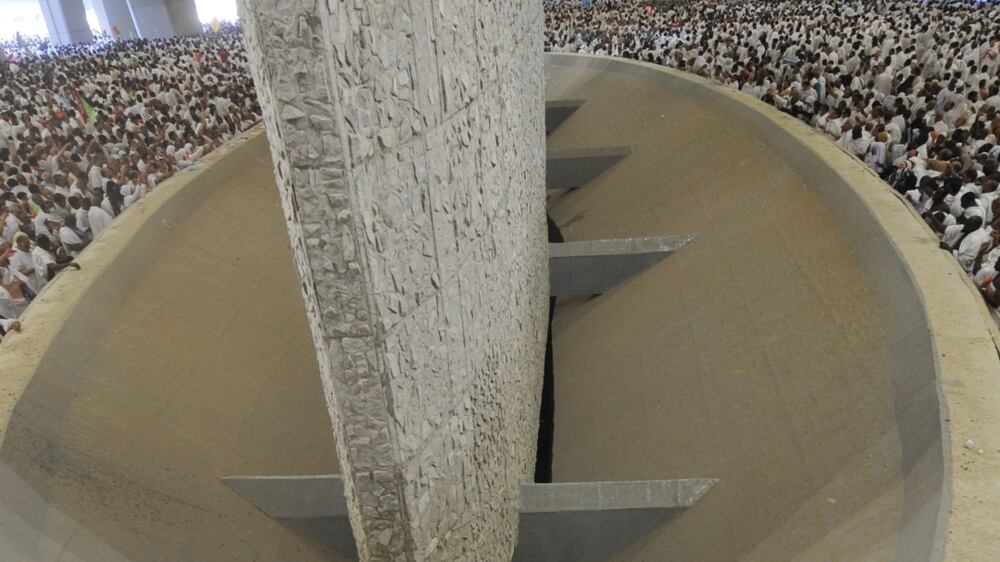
[547, 412]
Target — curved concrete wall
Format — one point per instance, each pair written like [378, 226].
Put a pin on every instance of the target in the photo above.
[804, 349]
[180, 353]
[812, 348]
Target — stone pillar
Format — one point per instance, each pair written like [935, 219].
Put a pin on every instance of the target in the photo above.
[156, 19]
[184, 17]
[115, 14]
[151, 19]
[67, 21]
[408, 141]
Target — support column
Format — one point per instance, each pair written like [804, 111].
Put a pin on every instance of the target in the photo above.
[67, 21]
[157, 19]
[152, 21]
[184, 17]
[408, 140]
[115, 18]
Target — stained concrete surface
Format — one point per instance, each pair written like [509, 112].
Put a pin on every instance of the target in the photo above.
[180, 354]
[786, 351]
[736, 358]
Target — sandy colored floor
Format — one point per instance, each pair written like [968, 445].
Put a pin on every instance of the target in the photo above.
[189, 358]
[755, 355]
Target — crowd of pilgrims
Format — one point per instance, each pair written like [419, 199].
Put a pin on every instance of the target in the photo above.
[912, 88]
[86, 131]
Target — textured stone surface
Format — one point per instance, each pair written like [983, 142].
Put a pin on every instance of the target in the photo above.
[408, 140]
